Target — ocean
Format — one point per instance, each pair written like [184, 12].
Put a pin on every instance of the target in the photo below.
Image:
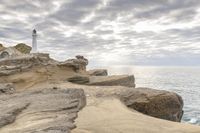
[183, 80]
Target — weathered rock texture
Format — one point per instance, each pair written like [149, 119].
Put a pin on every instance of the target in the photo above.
[28, 70]
[79, 64]
[157, 103]
[21, 63]
[7, 88]
[161, 104]
[98, 72]
[119, 80]
[79, 79]
[42, 111]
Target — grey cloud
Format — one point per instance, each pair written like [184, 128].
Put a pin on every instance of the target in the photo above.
[27, 6]
[71, 13]
[186, 10]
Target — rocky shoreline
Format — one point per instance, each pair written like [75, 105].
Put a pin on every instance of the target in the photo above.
[39, 94]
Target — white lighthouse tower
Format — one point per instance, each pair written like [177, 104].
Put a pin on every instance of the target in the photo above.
[34, 42]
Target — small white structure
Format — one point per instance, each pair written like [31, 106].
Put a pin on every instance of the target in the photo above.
[34, 42]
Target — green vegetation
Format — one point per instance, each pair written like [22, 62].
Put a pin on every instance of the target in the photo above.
[23, 48]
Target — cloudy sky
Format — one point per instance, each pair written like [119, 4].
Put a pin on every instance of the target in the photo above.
[107, 32]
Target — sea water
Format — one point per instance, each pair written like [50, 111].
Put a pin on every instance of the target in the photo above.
[183, 80]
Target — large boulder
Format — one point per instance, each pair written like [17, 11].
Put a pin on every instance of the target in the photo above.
[23, 48]
[161, 104]
[41, 111]
[117, 80]
[98, 72]
[156, 103]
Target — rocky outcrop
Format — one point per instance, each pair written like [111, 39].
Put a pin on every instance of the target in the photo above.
[79, 79]
[109, 115]
[98, 72]
[157, 103]
[23, 48]
[42, 111]
[161, 104]
[79, 64]
[119, 80]
[35, 59]
[21, 63]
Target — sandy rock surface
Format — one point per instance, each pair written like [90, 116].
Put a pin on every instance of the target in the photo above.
[117, 80]
[50, 110]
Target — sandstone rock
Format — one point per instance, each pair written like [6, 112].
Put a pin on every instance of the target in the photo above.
[23, 48]
[98, 72]
[78, 79]
[18, 64]
[80, 57]
[119, 80]
[35, 59]
[79, 64]
[6, 88]
[156, 103]
[161, 104]
[41, 111]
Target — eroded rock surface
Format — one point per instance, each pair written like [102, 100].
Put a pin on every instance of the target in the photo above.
[43, 111]
[79, 64]
[79, 79]
[157, 103]
[98, 72]
[21, 63]
[161, 104]
[7, 88]
[119, 80]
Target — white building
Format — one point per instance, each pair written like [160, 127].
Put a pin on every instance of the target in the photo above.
[34, 42]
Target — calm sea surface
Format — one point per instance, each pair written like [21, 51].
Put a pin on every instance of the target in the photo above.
[183, 80]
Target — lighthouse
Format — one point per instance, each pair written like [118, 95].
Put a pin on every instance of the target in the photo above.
[34, 42]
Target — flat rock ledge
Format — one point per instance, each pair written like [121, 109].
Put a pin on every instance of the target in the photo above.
[44, 111]
[116, 80]
[79, 79]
